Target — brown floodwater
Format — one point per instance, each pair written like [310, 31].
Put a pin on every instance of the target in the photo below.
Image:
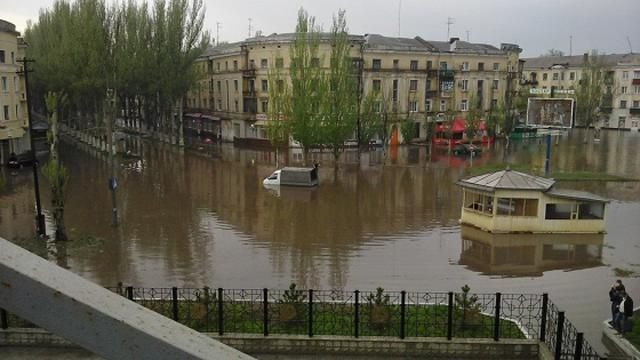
[202, 217]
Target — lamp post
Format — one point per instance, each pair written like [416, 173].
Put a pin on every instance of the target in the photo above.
[113, 181]
[40, 224]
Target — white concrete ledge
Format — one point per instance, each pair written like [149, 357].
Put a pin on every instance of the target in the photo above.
[92, 317]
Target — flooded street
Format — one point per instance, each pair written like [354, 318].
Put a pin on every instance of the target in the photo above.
[202, 217]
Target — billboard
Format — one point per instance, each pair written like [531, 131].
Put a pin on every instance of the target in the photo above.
[550, 112]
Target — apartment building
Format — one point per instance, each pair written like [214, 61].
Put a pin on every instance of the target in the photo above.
[418, 79]
[13, 109]
[621, 104]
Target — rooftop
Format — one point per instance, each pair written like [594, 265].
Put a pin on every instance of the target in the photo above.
[546, 62]
[507, 180]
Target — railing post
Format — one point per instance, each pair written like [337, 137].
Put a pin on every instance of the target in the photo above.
[4, 321]
[174, 302]
[496, 323]
[130, 293]
[450, 317]
[207, 298]
[265, 311]
[356, 315]
[559, 335]
[220, 312]
[543, 322]
[403, 300]
[310, 313]
[579, 343]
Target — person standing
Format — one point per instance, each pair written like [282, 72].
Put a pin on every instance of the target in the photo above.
[615, 296]
[624, 322]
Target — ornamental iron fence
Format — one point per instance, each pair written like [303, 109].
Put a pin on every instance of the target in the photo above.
[357, 313]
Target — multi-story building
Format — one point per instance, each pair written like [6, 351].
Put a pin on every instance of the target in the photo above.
[420, 80]
[13, 109]
[621, 104]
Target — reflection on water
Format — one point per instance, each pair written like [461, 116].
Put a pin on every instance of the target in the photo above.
[202, 217]
[528, 254]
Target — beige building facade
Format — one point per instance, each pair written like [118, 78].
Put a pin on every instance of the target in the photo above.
[417, 79]
[621, 105]
[13, 108]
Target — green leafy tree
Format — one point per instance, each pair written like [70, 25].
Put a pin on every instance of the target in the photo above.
[407, 128]
[472, 118]
[278, 126]
[495, 119]
[341, 105]
[590, 91]
[371, 118]
[53, 170]
[467, 307]
[308, 85]
[292, 306]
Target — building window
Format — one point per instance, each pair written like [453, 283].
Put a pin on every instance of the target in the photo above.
[226, 66]
[623, 104]
[480, 66]
[494, 104]
[496, 66]
[443, 105]
[17, 111]
[2, 56]
[572, 76]
[413, 106]
[429, 65]
[13, 58]
[555, 76]
[16, 84]
[625, 75]
[413, 85]
[636, 104]
[377, 85]
[219, 87]
[377, 64]
[465, 66]
[264, 63]
[377, 107]
[396, 64]
[623, 90]
[427, 105]
[427, 85]
[279, 63]
[636, 89]
[464, 105]
[265, 106]
[478, 202]
[636, 74]
[280, 85]
[544, 76]
[218, 66]
[6, 112]
[235, 85]
[219, 104]
[495, 84]
[517, 207]
[413, 65]
[562, 75]
[443, 65]
[4, 83]
[235, 105]
[235, 65]
[465, 85]
[252, 64]
[395, 90]
[315, 62]
[265, 85]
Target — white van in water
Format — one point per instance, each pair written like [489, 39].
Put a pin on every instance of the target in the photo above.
[293, 176]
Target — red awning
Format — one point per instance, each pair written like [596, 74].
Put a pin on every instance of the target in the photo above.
[457, 126]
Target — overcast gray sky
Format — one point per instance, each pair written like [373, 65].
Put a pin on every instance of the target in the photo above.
[536, 25]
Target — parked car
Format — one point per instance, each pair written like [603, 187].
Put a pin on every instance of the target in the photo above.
[18, 161]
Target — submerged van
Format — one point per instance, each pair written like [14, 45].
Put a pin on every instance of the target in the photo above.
[293, 176]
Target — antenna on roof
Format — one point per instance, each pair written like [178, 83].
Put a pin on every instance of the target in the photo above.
[250, 27]
[467, 35]
[570, 45]
[450, 21]
[218, 33]
[399, 8]
[630, 48]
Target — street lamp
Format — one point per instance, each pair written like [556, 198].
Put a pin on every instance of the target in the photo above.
[113, 181]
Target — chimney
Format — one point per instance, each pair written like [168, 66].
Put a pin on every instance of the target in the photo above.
[585, 58]
[453, 42]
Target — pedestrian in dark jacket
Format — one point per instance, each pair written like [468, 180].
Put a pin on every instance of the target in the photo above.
[615, 296]
[624, 322]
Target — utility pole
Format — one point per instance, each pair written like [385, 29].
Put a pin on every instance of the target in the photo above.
[399, 9]
[250, 27]
[218, 33]
[40, 225]
[450, 22]
[113, 181]
[570, 45]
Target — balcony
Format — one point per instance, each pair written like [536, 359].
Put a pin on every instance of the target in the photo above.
[431, 93]
[634, 111]
[249, 73]
[249, 94]
[635, 82]
[446, 74]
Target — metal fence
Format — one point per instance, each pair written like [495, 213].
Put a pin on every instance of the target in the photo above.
[362, 313]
